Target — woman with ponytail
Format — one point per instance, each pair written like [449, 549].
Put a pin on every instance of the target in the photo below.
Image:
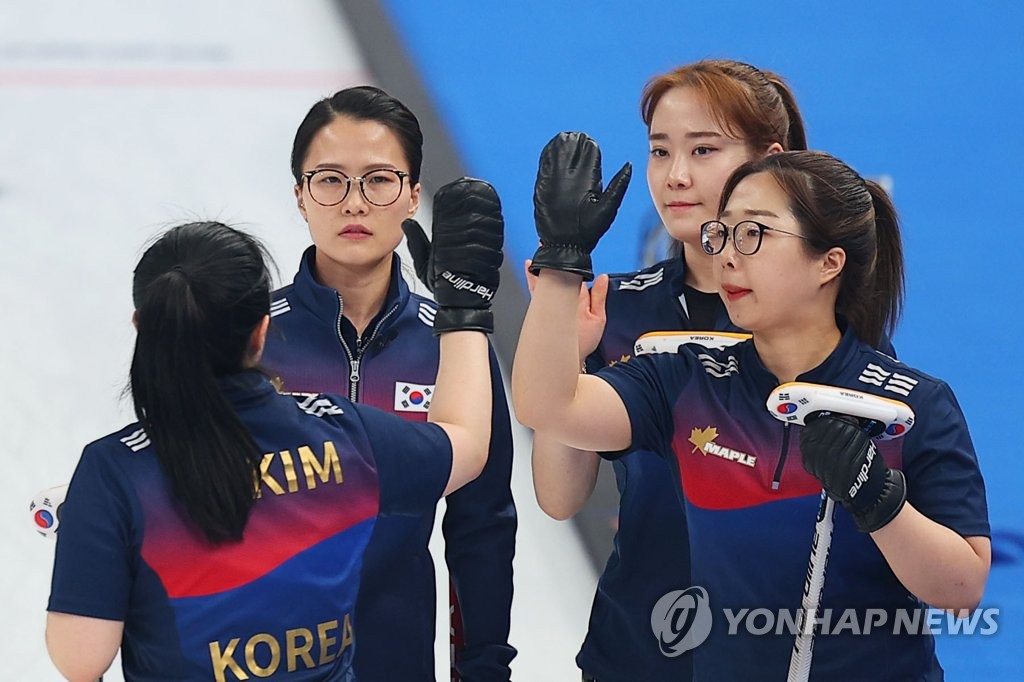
[222, 535]
[205, 450]
[703, 120]
[807, 257]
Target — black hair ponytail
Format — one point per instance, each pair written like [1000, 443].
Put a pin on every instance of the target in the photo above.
[889, 280]
[200, 291]
[797, 137]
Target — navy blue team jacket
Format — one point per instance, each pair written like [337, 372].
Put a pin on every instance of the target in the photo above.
[312, 348]
[278, 603]
[751, 506]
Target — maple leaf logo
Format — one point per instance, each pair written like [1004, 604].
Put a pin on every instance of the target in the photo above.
[701, 437]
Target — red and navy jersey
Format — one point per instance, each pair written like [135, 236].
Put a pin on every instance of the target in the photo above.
[751, 507]
[650, 554]
[313, 348]
[281, 602]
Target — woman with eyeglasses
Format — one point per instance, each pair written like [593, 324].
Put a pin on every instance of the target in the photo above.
[703, 120]
[348, 324]
[807, 256]
[223, 535]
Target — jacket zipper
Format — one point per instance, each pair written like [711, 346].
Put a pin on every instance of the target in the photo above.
[361, 346]
[777, 479]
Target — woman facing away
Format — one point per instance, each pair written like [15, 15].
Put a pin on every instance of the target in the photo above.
[348, 324]
[703, 120]
[223, 535]
[808, 258]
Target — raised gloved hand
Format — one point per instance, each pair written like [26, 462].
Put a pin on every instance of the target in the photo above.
[419, 248]
[461, 265]
[840, 454]
[570, 208]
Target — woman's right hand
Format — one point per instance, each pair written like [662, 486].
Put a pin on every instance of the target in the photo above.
[572, 212]
[570, 208]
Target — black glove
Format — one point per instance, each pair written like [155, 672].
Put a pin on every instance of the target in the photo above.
[461, 265]
[419, 248]
[840, 454]
[569, 207]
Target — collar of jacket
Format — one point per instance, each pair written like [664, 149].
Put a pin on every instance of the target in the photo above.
[828, 372]
[323, 301]
[675, 268]
[245, 387]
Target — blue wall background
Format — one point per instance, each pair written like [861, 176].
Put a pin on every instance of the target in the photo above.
[927, 93]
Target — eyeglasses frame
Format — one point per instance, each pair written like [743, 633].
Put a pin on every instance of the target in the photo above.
[762, 228]
[402, 175]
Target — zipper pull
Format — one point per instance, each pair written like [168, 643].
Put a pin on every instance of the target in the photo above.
[777, 478]
[353, 375]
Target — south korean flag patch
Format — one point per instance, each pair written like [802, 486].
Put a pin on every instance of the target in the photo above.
[412, 397]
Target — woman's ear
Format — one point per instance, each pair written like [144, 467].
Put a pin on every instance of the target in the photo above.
[832, 263]
[300, 203]
[774, 148]
[414, 199]
[257, 341]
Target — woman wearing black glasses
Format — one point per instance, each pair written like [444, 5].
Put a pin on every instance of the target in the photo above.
[349, 325]
[808, 258]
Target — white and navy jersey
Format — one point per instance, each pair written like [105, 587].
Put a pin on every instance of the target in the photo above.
[279, 604]
[751, 507]
[650, 555]
[313, 348]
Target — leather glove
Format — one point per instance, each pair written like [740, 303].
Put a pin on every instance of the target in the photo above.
[569, 207]
[461, 265]
[840, 454]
